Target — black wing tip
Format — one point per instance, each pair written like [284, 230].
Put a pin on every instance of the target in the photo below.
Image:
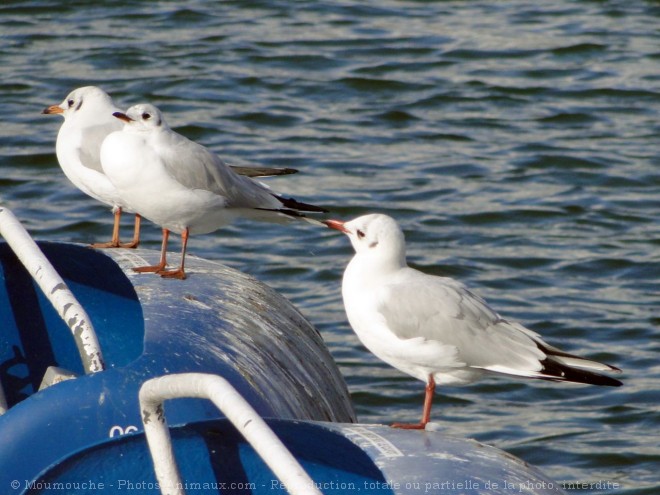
[294, 214]
[262, 171]
[560, 372]
[286, 171]
[294, 204]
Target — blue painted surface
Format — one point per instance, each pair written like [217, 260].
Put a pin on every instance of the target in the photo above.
[33, 335]
[148, 327]
[214, 455]
[369, 459]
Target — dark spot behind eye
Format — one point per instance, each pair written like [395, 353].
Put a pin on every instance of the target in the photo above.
[72, 101]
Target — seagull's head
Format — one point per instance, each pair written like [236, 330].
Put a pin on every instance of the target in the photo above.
[374, 235]
[87, 101]
[142, 117]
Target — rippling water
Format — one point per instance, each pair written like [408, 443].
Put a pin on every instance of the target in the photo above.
[516, 142]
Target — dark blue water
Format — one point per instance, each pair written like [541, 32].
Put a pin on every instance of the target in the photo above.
[516, 142]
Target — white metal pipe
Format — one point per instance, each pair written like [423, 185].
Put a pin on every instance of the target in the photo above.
[246, 420]
[3, 401]
[54, 288]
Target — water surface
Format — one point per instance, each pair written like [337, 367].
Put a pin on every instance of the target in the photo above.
[516, 143]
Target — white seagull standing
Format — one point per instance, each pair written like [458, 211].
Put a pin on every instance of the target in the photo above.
[433, 328]
[88, 121]
[181, 185]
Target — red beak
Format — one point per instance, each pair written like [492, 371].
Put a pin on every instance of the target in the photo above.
[122, 116]
[337, 225]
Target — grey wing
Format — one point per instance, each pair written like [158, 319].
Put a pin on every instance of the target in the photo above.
[195, 167]
[91, 141]
[442, 309]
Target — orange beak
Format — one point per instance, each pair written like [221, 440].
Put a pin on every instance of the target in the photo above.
[337, 225]
[53, 109]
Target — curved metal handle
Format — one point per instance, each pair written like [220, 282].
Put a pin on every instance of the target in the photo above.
[55, 289]
[3, 401]
[226, 398]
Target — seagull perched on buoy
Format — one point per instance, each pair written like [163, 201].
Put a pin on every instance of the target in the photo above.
[181, 185]
[88, 120]
[433, 328]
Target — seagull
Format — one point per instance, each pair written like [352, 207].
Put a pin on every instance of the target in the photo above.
[435, 329]
[88, 120]
[181, 185]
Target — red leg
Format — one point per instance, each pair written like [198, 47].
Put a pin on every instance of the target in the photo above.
[114, 242]
[135, 242]
[163, 257]
[426, 412]
[179, 272]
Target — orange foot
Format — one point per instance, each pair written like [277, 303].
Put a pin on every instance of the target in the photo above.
[105, 245]
[178, 273]
[115, 244]
[129, 245]
[149, 269]
[409, 426]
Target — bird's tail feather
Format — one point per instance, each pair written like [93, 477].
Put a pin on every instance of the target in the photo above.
[574, 361]
[294, 214]
[563, 366]
[585, 364]
[262, 171]
[556, 370]
[294, 204]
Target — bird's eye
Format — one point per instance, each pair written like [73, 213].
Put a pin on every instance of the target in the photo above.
[360, 234]
[70, 103]
[146, 116]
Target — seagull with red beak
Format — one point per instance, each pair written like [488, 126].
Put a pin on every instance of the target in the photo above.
[181, 185]
[433, 328]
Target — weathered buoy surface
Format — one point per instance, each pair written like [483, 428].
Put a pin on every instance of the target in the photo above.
[217, 321]
[66, 426]
[339, 458]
